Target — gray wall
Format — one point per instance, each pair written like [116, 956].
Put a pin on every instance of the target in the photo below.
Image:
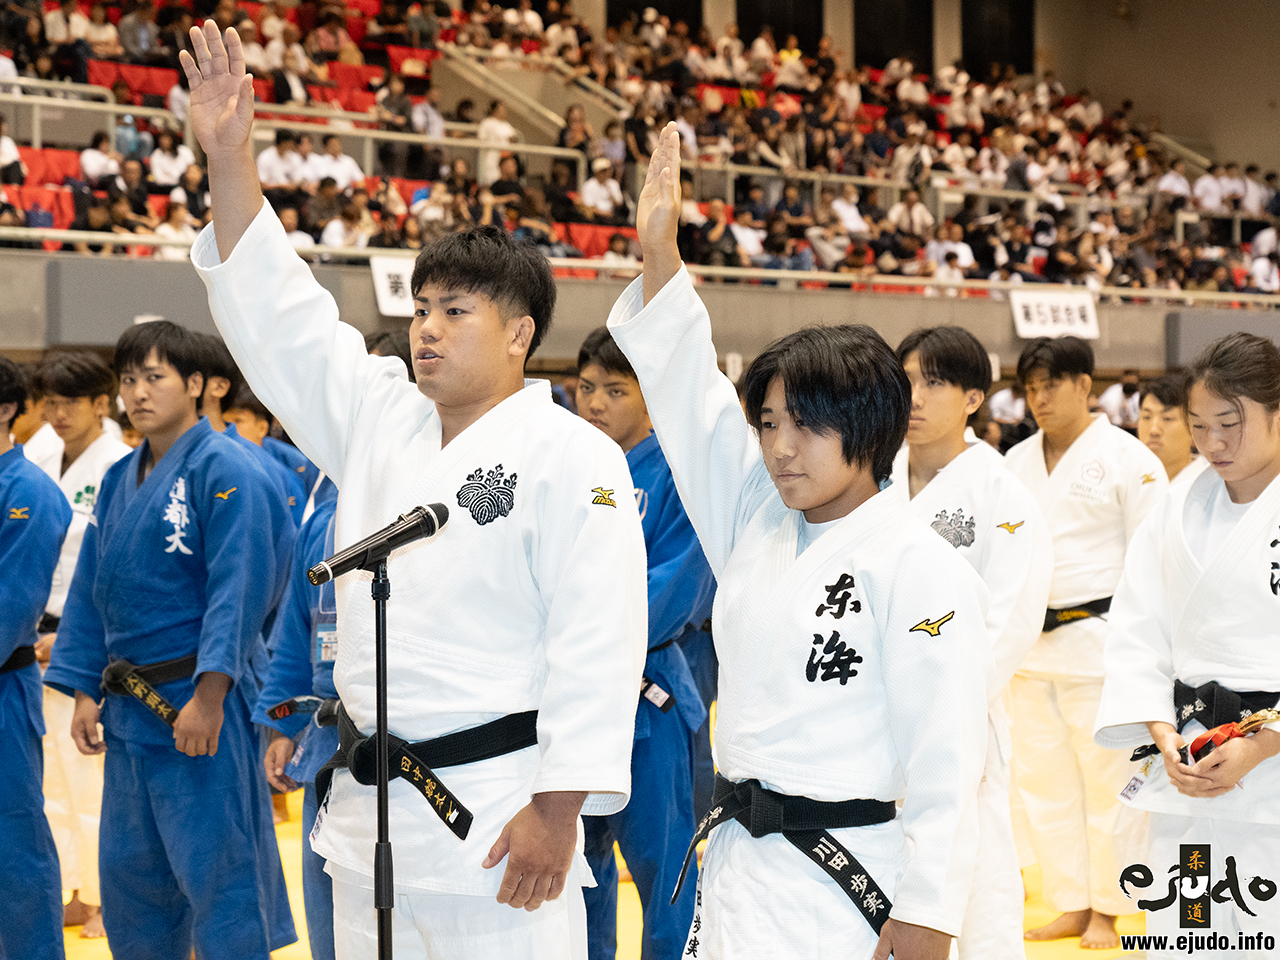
[50, 299]
[1205, 69]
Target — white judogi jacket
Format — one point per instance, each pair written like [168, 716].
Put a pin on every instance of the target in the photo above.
[911, 721]
[1193, 618]
[992, 520]
[80, 485]
[532, 597]
[1099, 492]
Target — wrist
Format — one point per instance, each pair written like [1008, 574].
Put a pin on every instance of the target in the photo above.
[560, 806]
[212, 688]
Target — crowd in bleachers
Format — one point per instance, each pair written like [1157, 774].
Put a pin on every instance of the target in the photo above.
[753, 104]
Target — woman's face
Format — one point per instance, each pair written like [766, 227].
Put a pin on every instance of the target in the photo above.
[1240, 439]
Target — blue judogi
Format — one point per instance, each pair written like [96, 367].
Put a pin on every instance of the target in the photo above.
[286, 481]
[303, 648]
[34, 516]
[183, 562]
[296, 461]
[654, 829]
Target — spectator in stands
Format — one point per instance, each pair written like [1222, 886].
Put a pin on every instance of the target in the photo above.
[424, 26]
[255, 55]
[1265, 273]
[310, 171]
[335, 164]
[132, 185]
[124, 220]
[30, 47]
[389, 25]
[324, 207]
[169, 161]
[175, 33]
[193, 193]
[65, 27]
[576, 134]
[1120, 401]
[1208, 191]
[794, 211]
[910, 216]
[394, 112]
[858, 259]
[717, 243]
[494, 129]
[140, 36]
[507, 189]
[601, 200]
[329, 38]
[1086, 111]
[96, 217]
[279, 169]
[270, 23]
[388, 235]
[102, 36]
[344, 230]
[300, 239]
[176, 226]
[99, 164]
[560, 39]
[131, 137]
[524, 20]
[12, 169]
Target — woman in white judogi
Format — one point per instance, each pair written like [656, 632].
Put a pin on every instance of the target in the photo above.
[853, 652]
[1198, 607]
[960, 487]
[78, 389]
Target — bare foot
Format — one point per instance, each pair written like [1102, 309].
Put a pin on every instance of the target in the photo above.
[280, 807]
[1071, 924]
[76, 911]
[1100, 934]
[93, 928]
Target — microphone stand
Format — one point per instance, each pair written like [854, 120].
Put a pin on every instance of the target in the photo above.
[383, 874]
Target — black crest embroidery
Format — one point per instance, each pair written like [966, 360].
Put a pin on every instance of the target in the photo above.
[956, 530]
[488, 495]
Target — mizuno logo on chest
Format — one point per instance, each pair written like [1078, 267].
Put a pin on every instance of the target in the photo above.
[932, 627]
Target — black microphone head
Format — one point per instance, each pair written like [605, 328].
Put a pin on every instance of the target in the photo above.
[441, 514]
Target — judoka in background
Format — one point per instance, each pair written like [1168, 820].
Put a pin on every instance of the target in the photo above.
[34, 516]
[1197, 605]
[180, 560]
[654, 829]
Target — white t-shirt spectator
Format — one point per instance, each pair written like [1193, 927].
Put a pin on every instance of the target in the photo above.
[301, 240]
[957, 156]
[495, 131]
[605, 198]
[749, 239]
[96, 165]
[101, 33]
[1088, 114]
[255, 58]
[60, 29]
[274, 168]
[850, 216]
[1256, 196]
[524, 21]
[178, 195]
[336, 234]
[561, 39]
[850, 94]
[426, 119]
[343, 168]
[950, 274]
[170, 232]
[1121, 410]
[1266, 275]
[1208, 193]
[167, 170]
[917, 219]
[311, 168]
[1174, 183]
[8, 151]
[1005, 407]
[1264, 241]
[270, 27]
[9, 69]
[911, 90]
[1232, 188]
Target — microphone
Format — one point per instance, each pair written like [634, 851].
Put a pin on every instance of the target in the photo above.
[418, 523]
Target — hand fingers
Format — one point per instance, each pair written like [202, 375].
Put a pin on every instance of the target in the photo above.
[557, 887]
[200, 46]
[500, 848]
[213, 745]
[885, 944]
[523, 894]
[188, 64]
[541, 888]
[235, 53]
[510, 883]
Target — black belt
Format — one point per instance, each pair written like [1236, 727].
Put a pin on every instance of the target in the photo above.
[1213, 705]
[325, 710]
[414, 761]
[1053, 619]
[808, 825]
[48, 624]
[21, 657]
[125, 679]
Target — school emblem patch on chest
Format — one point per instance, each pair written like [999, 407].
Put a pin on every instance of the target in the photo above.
[488, 495]
[956, 529]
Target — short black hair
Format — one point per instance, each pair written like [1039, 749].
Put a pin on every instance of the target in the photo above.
[842, 379]
[390, 343]
[485, 260]
[1240, 365]
[246, 399]
[1057, 356]
[1170, 390]
[285, 136]
[175, 345]
[13, 389]
[217, 361]
[78, 373]
[99, 139]
[951, 354]
[600, 348]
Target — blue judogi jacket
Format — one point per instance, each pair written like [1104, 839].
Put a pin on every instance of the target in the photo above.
[34, 516]
[681, 586]
[185, 562]
[308, 473]
[303, 650]
[286, 481]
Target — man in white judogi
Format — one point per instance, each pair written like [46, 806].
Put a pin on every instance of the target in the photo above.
[960, 487]
[78, 390]
[532, 598]
[1095, 484]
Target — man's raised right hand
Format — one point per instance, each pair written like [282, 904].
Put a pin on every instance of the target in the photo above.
[221, 91]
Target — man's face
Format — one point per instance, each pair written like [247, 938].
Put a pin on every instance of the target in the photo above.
[304, 146]
[938, 409]
[612, 401]
[289, 219]
[461, 345]
[1057, 403]
[75, 418]
[333, 147]
[156, 397]
[508, 168]
[248, 424]
[1164, 430]
[132, 173]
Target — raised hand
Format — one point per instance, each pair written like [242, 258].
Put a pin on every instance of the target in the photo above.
[221, 91]
[658, 213]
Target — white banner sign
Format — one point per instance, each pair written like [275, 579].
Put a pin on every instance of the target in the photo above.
[1054, 313]
[391, 284]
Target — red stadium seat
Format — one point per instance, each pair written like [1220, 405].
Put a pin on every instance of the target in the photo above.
[264, 90]
[37, 169]
[397, 56]
[157, 203]
[357, 27]
[62, 165]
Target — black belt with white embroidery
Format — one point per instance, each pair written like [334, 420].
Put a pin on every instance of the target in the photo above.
[415, 762]
[126, 679]
[1213, 705]
[807, 824]
[1053, 619]
[325, 710]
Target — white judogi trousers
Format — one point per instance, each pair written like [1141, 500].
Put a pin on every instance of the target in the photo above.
[1256, 850]
[1083, 836]
[72, 799]
[437, 926]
